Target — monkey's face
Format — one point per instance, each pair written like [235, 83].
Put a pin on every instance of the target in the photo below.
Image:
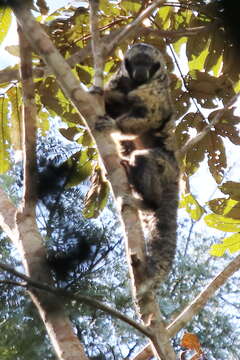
[143, 62]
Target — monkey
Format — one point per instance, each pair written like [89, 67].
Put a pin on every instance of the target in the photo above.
[138, 104]
[138, 99]
[153, 175]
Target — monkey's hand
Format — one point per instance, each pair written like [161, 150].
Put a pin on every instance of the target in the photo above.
[105, 123]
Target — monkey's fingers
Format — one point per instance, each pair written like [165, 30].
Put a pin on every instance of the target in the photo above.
[105, 123]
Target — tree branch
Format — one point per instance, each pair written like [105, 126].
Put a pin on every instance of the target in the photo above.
[126, 32]
[196, 305]
[81, 55]
[7, 216]
[70, 296]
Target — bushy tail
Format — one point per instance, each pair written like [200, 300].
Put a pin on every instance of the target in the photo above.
[162, 235]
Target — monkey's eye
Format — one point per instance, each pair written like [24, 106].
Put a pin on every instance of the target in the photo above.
[128, 67]
[154, 68]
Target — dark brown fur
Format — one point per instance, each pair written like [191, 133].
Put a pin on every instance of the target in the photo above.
[138, 98]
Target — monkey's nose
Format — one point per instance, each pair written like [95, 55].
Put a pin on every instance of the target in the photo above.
[140, 76]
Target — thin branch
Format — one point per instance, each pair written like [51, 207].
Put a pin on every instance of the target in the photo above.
[64, 294]
[81, 55]
[97, 48]
[197, 304]
[126, 32]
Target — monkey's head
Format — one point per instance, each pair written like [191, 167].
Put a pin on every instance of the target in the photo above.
[143, 63]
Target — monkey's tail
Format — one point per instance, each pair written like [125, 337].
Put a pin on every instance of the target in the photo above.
[162, 236]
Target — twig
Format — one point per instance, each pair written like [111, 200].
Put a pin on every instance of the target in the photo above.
[88, 300]
[133, 25]
[97, 48]
[197, 304]
[81, 55]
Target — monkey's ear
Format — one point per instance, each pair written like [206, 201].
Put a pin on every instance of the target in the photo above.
[15, 3]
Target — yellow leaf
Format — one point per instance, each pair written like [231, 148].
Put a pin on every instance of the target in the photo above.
[231, 243]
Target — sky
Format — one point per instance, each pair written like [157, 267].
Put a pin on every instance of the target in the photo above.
[7, 59]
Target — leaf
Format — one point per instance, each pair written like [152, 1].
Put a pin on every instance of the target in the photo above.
[214, 57]
[192, 206]
[226, 125]
[13, 50]
[43, 122]
[232, 189]
[177, 45]
[5, 21]
[97, 196]
[85, 74]
[163, 15]
[69, 133]
[195, 156]
[217, 161]
[130, 6]
[50, 96]
[227, 207]
[81, 164]
[231, 243]
[14, 97]
[197, 62]
[222, 223]
[86, 139]
[191, 342]
[4, 136]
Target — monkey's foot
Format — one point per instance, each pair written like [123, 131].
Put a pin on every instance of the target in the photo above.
[105, 123]
[96, 90]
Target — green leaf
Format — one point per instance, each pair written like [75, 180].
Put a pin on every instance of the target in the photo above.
[85, 74]
[14, 97]
[197, 62]
[43, 122]
[192, 206]
[86, 139]
[222, 223]
[231, 243]
[4, 136]
[97, 196]
[237, 87]
[5, 21]
[177, 45]
[130, 6]
[163, 17]
[81, 164]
